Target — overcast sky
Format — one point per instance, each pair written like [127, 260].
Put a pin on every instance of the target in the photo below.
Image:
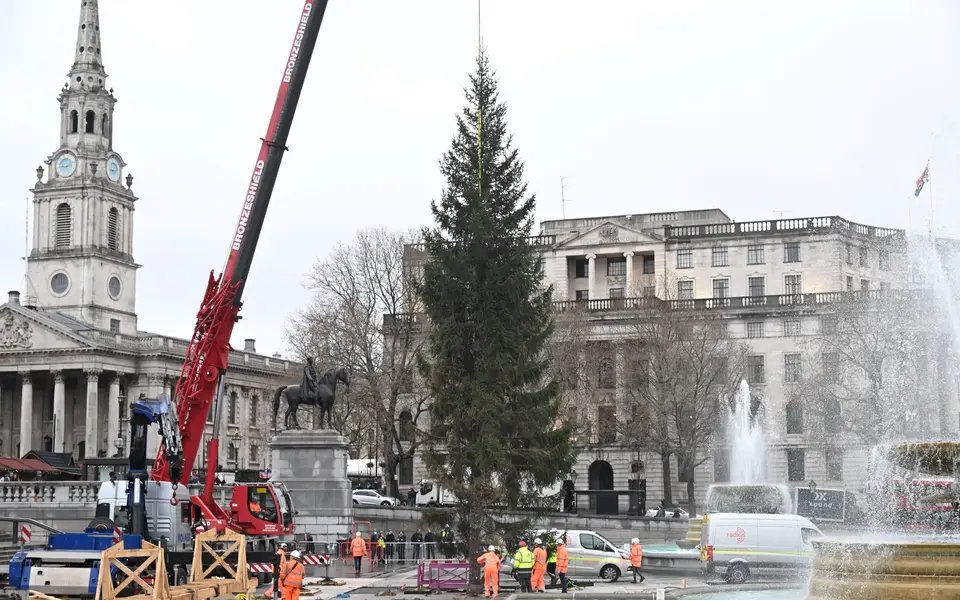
[759, 108]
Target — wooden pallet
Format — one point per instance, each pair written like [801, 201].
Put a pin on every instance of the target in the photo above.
[153, 561]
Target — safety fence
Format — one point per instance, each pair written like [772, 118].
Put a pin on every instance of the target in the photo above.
[438, 575]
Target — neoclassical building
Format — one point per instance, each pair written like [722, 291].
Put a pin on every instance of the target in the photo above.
[71, 351]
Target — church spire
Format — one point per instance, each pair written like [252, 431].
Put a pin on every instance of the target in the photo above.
[87, 71]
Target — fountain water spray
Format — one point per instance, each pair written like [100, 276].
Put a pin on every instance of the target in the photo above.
[747, 444]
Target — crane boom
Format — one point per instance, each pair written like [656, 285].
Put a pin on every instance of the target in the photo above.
[209, 350]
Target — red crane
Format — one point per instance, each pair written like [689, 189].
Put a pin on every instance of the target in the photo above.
[206, 361]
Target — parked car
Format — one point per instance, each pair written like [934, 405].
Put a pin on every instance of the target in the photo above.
[652, 512]
[373, 498]
[591, 556]
[740, 543]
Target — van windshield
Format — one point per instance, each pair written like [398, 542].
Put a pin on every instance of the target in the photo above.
[808, 534]
[588, 541]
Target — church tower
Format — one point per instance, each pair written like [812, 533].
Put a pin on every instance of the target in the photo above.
[81, 264]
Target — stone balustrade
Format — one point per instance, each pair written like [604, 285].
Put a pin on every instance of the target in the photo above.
[81, 494]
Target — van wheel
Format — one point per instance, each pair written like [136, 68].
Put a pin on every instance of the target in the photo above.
[355, 503]
[737, 574]
[610, 573]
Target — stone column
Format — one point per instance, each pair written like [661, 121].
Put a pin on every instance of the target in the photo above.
[591, 275]
[629, 292]
[59, 412]
[26, 414]
[113, 413]
[155, 385]
[166, 388]
[92, 424]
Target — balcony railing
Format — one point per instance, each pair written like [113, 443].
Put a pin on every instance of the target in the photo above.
[813, 225]
[537, 241]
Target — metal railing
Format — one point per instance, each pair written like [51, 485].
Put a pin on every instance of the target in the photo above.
[813, 224]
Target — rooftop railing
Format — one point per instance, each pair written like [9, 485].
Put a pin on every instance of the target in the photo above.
[813, 224]
[537, 241]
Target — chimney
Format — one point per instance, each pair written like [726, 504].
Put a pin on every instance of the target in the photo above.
[13, 297]
[250, 345]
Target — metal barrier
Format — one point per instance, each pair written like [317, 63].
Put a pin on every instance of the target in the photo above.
[443, 574]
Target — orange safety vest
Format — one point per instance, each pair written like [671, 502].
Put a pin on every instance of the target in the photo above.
[283, 558]
[292, 574]
[636, 555]
[358, 547]
[563, 559]
[490, 562]
[539, 559]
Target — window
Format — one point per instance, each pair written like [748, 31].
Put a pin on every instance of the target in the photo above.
[791, 327]
[90, 122]
[233, 451]
[74, 121]
[648, 264]
[794, 417]
[591, 542]
[582, 268]
[791, 252]
[884, 285]
[849, 283]
[405, 385]
[834, 462]
[792, 284]
[606, 374]
[849, 254]
[62, 239]
[583, 294]
[755, 254]
[113, 229]
[616, 266]
[719, 331]
[103, 123]
[864, 257]
[114, 325]
[721, 288]
[615, 293]
[406, 429]
[406, 470]
[718, 256]
[831, 367]
[795, 466]
[864, 285]
[832, 416]
[649, 291]
[254, 410]
[59, 283]
[232, 409]
[828, 324]
[755, 287]
[685, 290]
[684, 258]
[808, 534]
[254, 453]
[755, 329]
[606, 424]
[755, 369]
[791, 368]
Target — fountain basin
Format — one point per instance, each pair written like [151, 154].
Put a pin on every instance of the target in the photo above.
[901, 569]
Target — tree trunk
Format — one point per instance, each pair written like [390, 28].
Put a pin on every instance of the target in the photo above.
[667, 487]
[692, 494]
[471, 552]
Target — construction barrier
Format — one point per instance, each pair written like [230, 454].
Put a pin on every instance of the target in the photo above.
[437, 575]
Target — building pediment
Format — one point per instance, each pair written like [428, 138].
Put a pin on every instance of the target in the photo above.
[608, 233]
[25, 330]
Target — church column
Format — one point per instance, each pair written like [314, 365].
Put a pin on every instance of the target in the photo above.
[113, 412]
[59, 412]
[92, 438]
[155, 384]
[26, 414]
[629, 292]
[591, 275]
[166, 387]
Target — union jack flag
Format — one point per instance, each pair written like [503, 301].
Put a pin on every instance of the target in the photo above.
[922, 179]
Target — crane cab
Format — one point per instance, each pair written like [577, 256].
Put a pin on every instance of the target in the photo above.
[262, 509]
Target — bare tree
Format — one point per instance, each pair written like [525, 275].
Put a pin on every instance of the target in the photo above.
[870, 371]
[681, 366]
[363, 317]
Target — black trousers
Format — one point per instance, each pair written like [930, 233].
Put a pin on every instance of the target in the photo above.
[523, 576]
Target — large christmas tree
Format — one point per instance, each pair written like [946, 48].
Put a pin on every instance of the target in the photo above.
[495, 439]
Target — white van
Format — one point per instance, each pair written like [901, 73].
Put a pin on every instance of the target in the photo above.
[591, 555]
[738, 543]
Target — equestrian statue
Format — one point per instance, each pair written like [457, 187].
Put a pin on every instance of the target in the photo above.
[312, 391]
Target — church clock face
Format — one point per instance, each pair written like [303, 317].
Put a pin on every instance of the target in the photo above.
[66, 165]
[113, 170]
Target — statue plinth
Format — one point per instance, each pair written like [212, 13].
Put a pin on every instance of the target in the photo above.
[313, 466]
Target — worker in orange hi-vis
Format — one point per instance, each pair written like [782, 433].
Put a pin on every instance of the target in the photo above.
[358, 549]
[291, 577]
[636, 559]
[563, 564]
[539, 567]
[282, 554]
[490, 562]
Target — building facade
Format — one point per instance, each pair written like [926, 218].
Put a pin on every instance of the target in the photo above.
[71, 352]
[769, 284]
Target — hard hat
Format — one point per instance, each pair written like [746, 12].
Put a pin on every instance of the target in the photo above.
[283, 544]
[295, 554]
[560, 541]
[489, 548]
[523, 544]
[635, 541]
[358, 534]
[538, 541]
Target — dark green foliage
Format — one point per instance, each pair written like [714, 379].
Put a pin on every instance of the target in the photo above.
[495, 439]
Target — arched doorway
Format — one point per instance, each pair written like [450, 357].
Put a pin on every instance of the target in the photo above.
[601, 479]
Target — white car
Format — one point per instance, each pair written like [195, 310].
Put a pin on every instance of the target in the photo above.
[372, 498]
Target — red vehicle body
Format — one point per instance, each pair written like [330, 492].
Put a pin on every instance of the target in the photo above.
[202, 377]
[908, 500]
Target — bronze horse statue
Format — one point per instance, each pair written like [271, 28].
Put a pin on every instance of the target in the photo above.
[326, 395]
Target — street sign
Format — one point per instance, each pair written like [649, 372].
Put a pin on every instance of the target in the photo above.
[821, 504]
